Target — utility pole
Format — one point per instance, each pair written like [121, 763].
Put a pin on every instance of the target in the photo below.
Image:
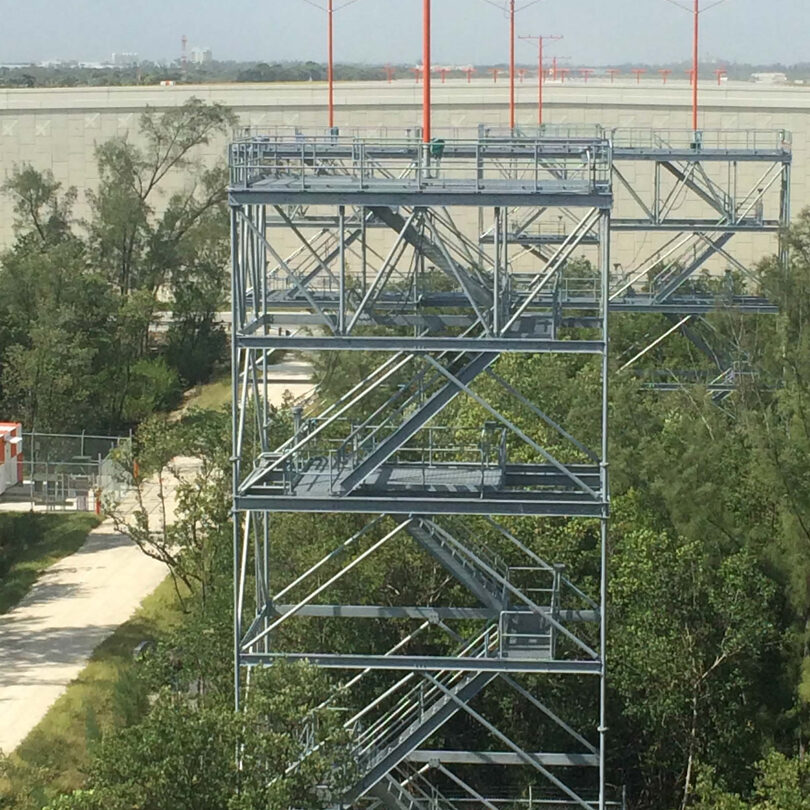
[540, 71]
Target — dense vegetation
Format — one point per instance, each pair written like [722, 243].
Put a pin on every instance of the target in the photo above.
[105, 320]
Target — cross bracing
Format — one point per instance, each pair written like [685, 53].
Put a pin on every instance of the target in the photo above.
[437, 264]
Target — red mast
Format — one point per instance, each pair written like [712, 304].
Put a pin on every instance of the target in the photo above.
[330, 70]
[511, 64]
[695, 10]
[426, 71]
[541, 74]
[695, 69]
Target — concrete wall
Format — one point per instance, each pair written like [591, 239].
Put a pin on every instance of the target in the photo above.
[59, 129]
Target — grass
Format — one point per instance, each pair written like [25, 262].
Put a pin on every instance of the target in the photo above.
[30, 542]
[210, 396]
[55, 753]
[215, 395]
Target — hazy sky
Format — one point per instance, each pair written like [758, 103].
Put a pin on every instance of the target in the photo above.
[595, 31]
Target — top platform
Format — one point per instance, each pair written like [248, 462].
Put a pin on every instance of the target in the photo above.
[344, 169]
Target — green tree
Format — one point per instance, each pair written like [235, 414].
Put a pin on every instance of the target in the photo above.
[185, 757]
[84, 303]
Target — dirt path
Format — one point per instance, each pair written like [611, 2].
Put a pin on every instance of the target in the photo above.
[47, 639]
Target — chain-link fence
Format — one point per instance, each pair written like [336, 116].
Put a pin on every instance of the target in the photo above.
[72, 471]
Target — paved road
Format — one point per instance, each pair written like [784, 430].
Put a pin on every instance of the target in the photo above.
[47, 639]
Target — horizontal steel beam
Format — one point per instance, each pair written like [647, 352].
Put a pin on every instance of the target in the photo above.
[492, 504]
[632, 153]
[427, 663]
[502, 758]
[429, 613]
[697, 225]
[426, 198]
[683, 305]
[423, 344]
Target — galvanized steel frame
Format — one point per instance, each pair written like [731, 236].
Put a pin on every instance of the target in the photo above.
[366, 183]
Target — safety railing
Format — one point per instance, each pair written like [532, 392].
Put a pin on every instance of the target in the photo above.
[373, 741]
[750, 140]
[471, 547]
[510, 165]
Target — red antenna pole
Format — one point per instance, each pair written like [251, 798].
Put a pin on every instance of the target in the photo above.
[521, 74]
[586, 73]
[541, 74]
[426, 71]
[613, 72]
[665, 74]
[540, 80]
[637, 72]
[563, 73]
[554, 69]
[494, 72]
[330, 69]
[469, 71]
[694, 74]
[389, 73]
[720, 72]
[511, 64]
[695, 69]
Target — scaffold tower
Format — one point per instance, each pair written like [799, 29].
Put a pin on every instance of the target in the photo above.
[384, 262]
[438, 264]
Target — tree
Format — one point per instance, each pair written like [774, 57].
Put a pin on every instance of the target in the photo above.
[693, 634]
[781, 783]
[184, 757]
[82, 300]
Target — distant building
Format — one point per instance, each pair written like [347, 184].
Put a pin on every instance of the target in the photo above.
[201, 56]
[123, 60]
[769, 78]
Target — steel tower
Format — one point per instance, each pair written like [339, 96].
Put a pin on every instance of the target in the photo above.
[447, 262]
[371, 245]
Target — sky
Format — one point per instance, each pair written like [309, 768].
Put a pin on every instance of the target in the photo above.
[598, 32]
